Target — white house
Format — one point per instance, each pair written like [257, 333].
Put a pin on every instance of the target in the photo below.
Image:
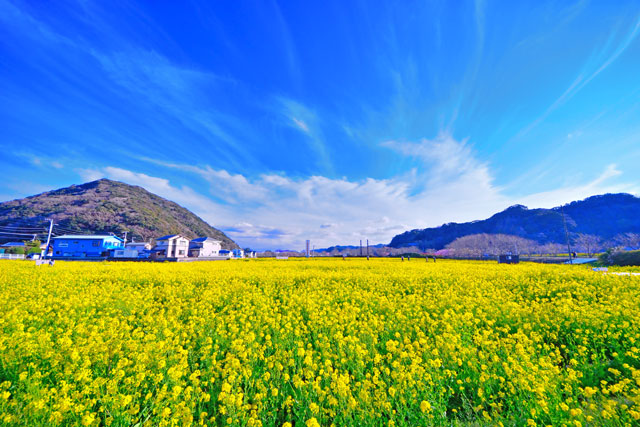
[171, 246]
[125, 253]
[204, 247]
[133, 250]
[138, 246]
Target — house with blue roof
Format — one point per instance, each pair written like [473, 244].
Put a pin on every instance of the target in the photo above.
[10, 245]
[85, 246]
[204, 247]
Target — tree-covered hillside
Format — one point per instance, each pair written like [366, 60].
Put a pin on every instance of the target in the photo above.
[105, 206]
[602, 216]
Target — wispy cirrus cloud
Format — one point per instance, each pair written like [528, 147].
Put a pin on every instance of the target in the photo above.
[301, 124]
[601, 59]
[307, 121]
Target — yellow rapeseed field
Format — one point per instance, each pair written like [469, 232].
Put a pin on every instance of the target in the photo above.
[317, 342]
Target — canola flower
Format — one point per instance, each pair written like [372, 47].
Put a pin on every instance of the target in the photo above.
[317, 343]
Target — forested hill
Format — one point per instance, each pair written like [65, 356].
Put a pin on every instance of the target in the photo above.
[105, 206]
[603, 216]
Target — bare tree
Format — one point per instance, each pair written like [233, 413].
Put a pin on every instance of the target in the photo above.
[478, 245]
[553, 248]
[588, 243]
[631, 240]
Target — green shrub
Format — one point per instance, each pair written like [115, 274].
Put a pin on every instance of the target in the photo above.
[606, 258]
[616, 256]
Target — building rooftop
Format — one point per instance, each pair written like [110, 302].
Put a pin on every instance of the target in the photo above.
[12, 244]
[168, 237]
[206, 239]
[87, 237]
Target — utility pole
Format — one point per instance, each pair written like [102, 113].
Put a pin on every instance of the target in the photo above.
[125, 238]
[360, 247]
[46, 248]
[367, 248]
[566, 234]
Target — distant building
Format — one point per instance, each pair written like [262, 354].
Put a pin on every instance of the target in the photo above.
[508, 259]
[11, 245]
[172, 246]
[204, 247]
[238, 253]
[225, 252]
[138, 246]
[133, 250]
[81, 246]
[124, 253]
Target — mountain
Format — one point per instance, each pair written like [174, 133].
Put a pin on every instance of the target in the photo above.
[105, 206]
[604, 216]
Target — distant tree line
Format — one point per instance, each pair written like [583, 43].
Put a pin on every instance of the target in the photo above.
[479, 245]
[483, 245]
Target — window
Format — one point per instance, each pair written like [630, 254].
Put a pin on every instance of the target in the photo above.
[95, 243]
[180, 252]
[63, 245]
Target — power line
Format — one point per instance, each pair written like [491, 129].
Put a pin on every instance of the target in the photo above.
[67, 231]
[18, 227]
[70, 230]
[16, 222]
[66, 227]
[21, 234]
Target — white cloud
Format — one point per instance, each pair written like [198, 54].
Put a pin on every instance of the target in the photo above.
[273, 210]
[276, 211]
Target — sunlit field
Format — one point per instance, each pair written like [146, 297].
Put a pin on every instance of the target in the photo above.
[318, 342]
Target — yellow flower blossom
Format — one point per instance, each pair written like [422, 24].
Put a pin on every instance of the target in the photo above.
[214, 343]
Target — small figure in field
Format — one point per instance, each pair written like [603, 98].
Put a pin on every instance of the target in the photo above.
[402, 258]
[434, 258]
[344, 257]
[408, 258]
[367, 257]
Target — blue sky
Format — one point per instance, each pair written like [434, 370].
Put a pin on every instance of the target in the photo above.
[333, 121]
